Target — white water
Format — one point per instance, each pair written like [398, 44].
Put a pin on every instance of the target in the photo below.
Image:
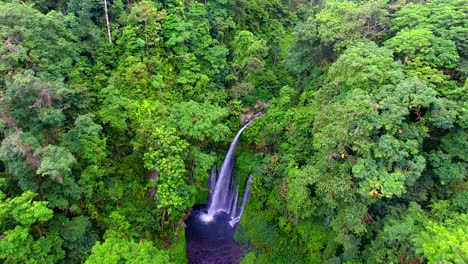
[224, 193]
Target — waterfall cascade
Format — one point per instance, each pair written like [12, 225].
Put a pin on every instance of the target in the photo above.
[223, 191]
[210, 229]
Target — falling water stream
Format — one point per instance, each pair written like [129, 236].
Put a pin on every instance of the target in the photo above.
[210, 229]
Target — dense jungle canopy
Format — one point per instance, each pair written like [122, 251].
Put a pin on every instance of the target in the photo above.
[113, 111]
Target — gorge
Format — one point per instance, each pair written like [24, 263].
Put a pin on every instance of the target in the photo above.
[210, 228]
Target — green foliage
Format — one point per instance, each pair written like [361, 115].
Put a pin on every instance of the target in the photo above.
[22, 239]
[422, 44]
[343, 23]
[114, 108]
[118, 226]
[77, 238]
[202, 162]
[249, 258]
[446, 242]
[449, 161]
[274, 245]
[364, 66]
[178, 252]
[445, 18]
[84, 140]
[33, 103]
[306, 53]
[56, 163]
[115, 250]
[393, 243]
[164, 154]
[431, 35]
[199, 122]
[248, 53]
[360, 156]
[31, 38]
[24, 211]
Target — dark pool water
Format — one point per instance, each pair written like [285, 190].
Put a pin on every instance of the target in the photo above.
[211, 242]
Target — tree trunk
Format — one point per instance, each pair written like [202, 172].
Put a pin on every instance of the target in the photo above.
[107, 21]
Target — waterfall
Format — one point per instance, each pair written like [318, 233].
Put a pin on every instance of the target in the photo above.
[223, 192]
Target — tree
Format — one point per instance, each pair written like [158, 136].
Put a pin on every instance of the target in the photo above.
[436, 35]
[165, 155]
[448, 161]
[107, 22]
[78, 238]
[248, 54]
[31, 40]
[40, 146]
[201, 123]
[444, 242]
[344, 23]
[115, 250]
[393, 242]
[23, 238]
[421, 44]
[364, 66]
[359, 156]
